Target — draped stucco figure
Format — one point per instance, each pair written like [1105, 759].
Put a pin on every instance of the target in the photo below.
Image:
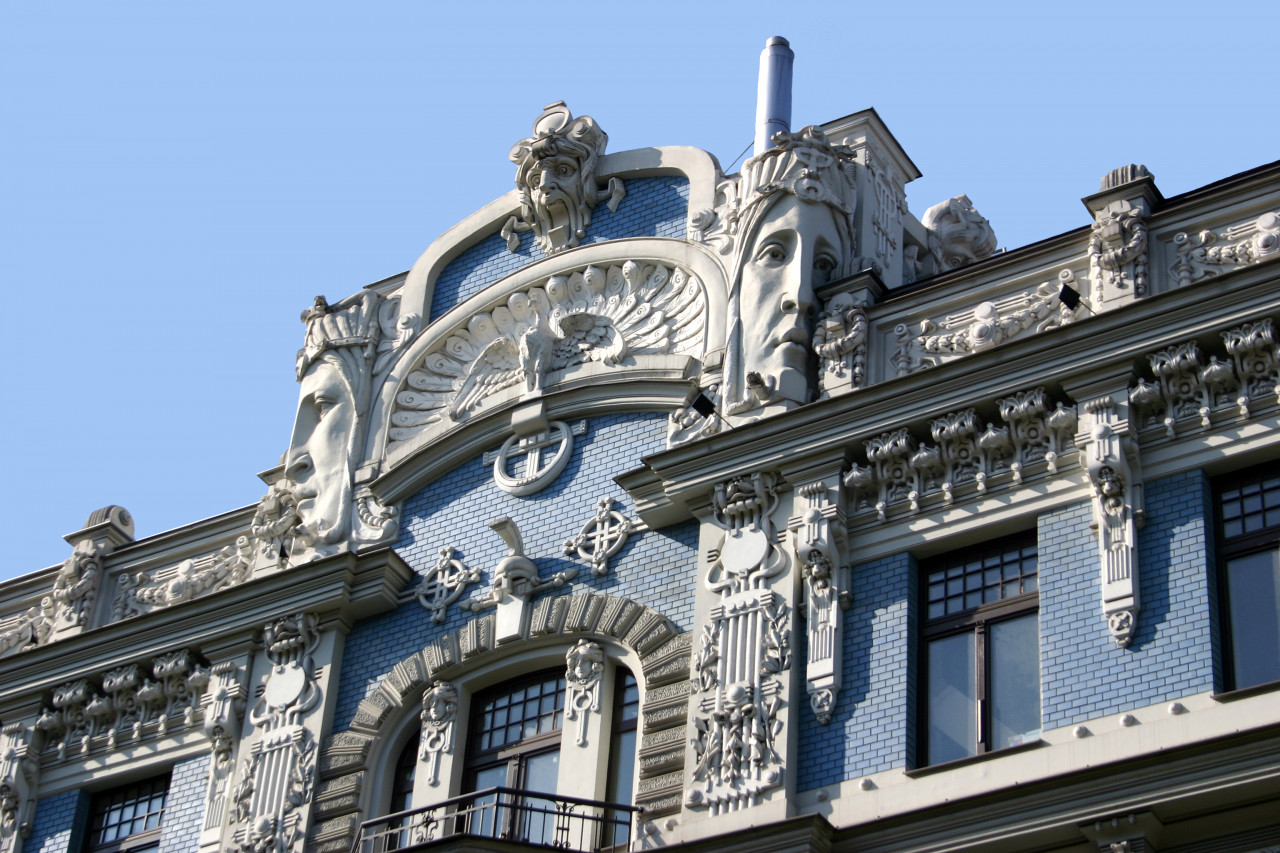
[792, 222]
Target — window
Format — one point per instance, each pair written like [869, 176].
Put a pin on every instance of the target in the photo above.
[622, 753]
[515, 743]
[128, 818]
[1249, 574]
[981, 650]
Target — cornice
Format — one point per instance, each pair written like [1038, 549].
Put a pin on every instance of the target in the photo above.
[345, 588]
[828, 428]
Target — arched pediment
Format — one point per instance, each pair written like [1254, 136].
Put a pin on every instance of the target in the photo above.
[602, 317]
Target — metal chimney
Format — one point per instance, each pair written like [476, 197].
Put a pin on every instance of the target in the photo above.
[773, 97]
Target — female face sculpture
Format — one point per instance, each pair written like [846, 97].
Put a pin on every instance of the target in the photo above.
[320, 452]
[796, 250]
[795, 233]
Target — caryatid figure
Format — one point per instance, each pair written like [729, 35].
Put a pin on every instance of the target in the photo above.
[793, 231]
[335, 369]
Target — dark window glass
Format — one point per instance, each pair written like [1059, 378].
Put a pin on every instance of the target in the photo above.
[128, 818]
[981, 650]
[515, 743]
[1249, 574]
[622, 751]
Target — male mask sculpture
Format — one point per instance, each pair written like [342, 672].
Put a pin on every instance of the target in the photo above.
[556, 178]
[792, 223]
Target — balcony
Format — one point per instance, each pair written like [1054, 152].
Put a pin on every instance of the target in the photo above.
[505, 815]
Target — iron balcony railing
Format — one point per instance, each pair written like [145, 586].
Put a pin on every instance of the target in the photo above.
[541, 820]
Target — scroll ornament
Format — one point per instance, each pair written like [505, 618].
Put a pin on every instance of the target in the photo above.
[1209, 253]
[930, 343]
[742, 650]
[135, 702]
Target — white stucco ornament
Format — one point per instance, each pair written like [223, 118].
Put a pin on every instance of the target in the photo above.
[958, 235]
[743, 648]
[601, 537]
[347, 350]
[787, 226]
[607, 314]
[556, 179]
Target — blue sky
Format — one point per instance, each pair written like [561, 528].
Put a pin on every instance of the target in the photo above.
[180, 179]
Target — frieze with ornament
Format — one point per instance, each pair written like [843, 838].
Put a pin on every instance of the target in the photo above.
[968, 458]
[1208, 253]
[1191, 388]
[930, 343]
[123, 706]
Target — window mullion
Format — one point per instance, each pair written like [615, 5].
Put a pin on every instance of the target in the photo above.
[980, 689]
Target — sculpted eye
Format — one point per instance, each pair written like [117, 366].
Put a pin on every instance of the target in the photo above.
[824, 263]
[564, 170]
[323, 405]
[535, 180]
[772, 253]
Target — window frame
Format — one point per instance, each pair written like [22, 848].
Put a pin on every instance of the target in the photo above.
[978, 622]
[138, 841]
[1231, 548]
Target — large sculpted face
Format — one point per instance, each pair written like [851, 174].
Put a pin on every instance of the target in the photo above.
[555, 185]
[319, 456]
[795, 251]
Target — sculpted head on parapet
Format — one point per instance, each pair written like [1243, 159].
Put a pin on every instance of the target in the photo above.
[791, 226]
[556, 179]
[959, 235]
[334, 368]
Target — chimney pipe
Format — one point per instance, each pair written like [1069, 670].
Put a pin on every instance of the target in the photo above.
[773, 95]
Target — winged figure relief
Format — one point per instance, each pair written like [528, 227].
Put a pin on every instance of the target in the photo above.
[605, 314]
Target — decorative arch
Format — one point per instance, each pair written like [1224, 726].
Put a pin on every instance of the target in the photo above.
[602, 317]
[662, 651]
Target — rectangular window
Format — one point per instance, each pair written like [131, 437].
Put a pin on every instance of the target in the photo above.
[1248, 505]
[128, 818]
[981, 650]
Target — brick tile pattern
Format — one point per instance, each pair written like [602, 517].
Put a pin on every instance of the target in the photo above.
[1084, 674]
[184, 808]
[655, 568]
[59, 823]
[653, 207]
[870, 730]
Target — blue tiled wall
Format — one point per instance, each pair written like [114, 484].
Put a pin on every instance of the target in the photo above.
[653, 207]
[655, 568]
[58, 822]
[1084, 674]
[184, 808]
[870, 730]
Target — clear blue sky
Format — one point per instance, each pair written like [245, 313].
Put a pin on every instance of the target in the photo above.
[178, 180]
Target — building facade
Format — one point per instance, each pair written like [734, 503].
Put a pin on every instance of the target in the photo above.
[661, 507]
